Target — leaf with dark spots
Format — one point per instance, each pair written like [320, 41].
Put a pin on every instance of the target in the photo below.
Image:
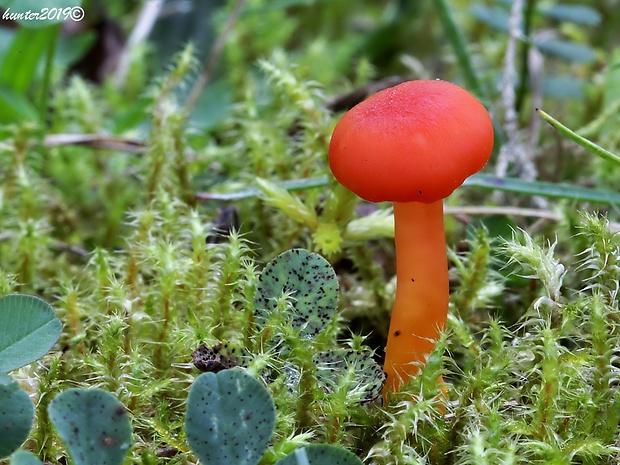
[312, 284]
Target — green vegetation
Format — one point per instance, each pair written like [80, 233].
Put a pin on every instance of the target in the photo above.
[146, 207]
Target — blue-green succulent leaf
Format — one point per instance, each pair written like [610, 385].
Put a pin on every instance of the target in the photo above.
[28, 330]
[578, 14]
[230, 418]
[16, 416]
[24, 457]
[93, 424]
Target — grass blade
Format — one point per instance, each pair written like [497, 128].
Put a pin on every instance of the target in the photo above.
[542, 189]
[585, 143]
[482, 180]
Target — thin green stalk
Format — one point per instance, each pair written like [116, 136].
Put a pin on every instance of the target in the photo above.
[528, 15]
[463, 57]
[585, 143]
[47, 73]
[457, 40]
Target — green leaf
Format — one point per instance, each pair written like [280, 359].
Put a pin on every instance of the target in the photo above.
[132, 116]
[230, 418]
[563, 87]
[6, 36]
[578, 14]
[493, 16]
[28, 330]
[15, 107]
[21, 61]
[214, 106]
[312, 285]
[320, 454]
[24, 457]
[16, 416]
[567, 50]
[93, 424]
[72, 48]
[34, 14]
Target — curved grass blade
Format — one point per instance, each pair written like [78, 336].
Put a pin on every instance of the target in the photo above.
[585, 143]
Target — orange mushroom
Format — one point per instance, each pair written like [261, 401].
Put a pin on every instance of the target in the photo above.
[413, 144]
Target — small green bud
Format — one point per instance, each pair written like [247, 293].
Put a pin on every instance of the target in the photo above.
[327, 238]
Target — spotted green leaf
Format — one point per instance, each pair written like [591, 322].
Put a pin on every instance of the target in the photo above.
[230, 418]
[352, 370]
[93, 424]
[312, 285]
[16, 416]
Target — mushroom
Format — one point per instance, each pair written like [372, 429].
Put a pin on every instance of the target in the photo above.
[413, 144]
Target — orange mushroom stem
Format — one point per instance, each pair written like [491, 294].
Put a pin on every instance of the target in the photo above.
[421, 303]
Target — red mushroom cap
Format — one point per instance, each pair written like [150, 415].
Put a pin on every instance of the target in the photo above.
[415, 142]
